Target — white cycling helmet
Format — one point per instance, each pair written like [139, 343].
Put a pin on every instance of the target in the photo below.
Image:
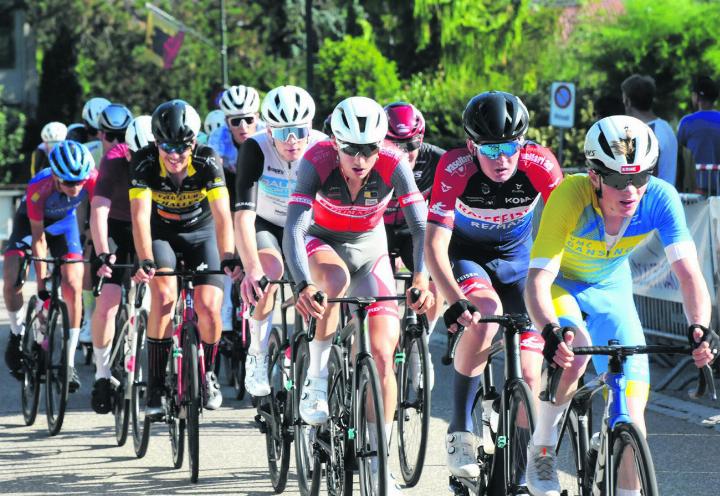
[53, 132]
[91, 110]
[214, 120]
[359, 120]
[621, 143]
[286, 106]
[139, 133]
[240, 100]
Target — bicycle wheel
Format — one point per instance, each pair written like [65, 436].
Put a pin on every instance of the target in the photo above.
[631, 462]
[520, 418]
[140, 424]
[277, 439]
[241, 343]
[413, 410]
[191, 395]
[56, 376]
[32, 365]
[121, 404]
[339, 472]
[307, 463]
[176, 425]
[485, 456]
[370, 442]
[570, 460]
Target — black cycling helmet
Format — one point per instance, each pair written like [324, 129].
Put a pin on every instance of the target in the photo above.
[495, 116]
[175, 122]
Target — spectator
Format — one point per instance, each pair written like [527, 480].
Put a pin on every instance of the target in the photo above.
[607, 105]
[638, 93]
[699, 132]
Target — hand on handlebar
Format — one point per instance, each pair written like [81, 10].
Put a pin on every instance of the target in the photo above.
[421, 302]
[307, 302]
[107, 260]
[250, 288]
[461, 312]
[558, 342]
[145, 271]
[706, 345]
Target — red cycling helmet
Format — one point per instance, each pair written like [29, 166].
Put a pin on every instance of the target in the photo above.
[405, 122]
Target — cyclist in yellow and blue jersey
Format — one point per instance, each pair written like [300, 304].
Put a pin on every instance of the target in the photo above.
[579, 266]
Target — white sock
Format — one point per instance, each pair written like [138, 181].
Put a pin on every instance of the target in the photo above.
[319, 356]
[72, 344]
[17, 326]
[627, 492]
[102, 362]
[259, 334]
[546, 425]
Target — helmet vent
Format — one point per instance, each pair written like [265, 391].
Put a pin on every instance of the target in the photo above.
[604, 145]
[362, 123]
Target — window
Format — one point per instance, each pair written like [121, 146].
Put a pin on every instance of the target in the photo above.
[7, 39]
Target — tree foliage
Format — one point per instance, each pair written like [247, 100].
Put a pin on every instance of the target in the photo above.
[11, 139]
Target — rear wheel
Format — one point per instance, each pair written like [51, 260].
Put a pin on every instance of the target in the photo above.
[121, 404]
[413, 410]
[191, 396]
[570, 460]
[32, 364]
[277, 438]
[339, 470]
[140, 424]
[632, 465]
[370, 442]
[56, 377]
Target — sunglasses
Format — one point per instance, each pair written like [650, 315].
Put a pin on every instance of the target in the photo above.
[284, 133]
[494, 150]
[72, 184]
[408, 146]
[621, 181]
[178, 148]
[237, 121]
[366, 150]
[111, 136]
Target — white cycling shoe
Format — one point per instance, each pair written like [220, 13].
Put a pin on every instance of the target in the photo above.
[462, 454]
[256, 375]
[313, 402]
[541, 472]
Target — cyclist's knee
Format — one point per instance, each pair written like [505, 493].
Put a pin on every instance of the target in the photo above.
[271, 262]
[487, 302]
[334, 281]
[162, 296]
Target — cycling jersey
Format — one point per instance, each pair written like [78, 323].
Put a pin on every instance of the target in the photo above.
[322, 198]
[96, 150]
[39, 159]
[264, 180]
[424, 173]
[572, 238]
[700, 132]
[185, 206]
[46, 203]
[113, 180]
[221, 140]
[494, 217]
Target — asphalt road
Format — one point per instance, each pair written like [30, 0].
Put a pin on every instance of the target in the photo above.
[84, 459]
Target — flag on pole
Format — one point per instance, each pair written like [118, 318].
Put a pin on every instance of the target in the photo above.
[163, 38]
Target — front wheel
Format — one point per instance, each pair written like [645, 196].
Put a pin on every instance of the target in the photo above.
[370, 441]
[632, 466]
[306, 460]
[32, 364]
[56, 377]
[339, 471]
[140, 424]
[277, 438]
[514, 436]
[191, 396]
[121, 404]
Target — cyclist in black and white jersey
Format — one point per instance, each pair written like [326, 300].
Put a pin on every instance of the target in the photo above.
[266, 175]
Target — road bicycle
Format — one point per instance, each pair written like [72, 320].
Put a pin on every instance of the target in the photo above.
[597, 460]
[44, 348]
[503, 421]
[234, 345]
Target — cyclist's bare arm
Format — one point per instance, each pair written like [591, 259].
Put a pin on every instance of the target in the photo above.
[39, 247]
[220, 209]
[437, 244]
[538, 300]
[245, 240]
[694, 290]
[140, 208]
[100, 208]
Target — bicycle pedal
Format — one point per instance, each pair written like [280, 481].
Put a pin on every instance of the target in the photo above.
[114, 382]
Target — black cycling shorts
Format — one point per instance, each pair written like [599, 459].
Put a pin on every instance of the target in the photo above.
[197, 247]
[120, 240]
[400, 243]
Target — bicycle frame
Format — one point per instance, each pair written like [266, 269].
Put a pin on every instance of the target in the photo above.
[188, 315]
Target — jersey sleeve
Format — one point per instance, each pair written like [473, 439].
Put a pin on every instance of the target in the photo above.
[414, 209]
[449, 183]
[35, 202]
[299, 218]
[671, 224]
[249, 170]
[214, 176]
[140, 168]
[542, 168]
[91, 184]
[559, 218]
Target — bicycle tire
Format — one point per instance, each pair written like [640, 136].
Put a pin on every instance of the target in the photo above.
[623, 436]
[485, 459]
[369, 399]
[338, 470]
[413, 404]
[56, 375]
[176, 424]
[519, 429]
[32, 364]
[307, 463]
[241, 344]
[277, 439]
[577, 464]
[140, 424]
[192, 396]
[121, 405]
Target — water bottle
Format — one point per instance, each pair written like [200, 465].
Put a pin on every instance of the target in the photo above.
[593, 452]
[490, 421]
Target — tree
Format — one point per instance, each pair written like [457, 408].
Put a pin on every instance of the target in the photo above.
[11, 139]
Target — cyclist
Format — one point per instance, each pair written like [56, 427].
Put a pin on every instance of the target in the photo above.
[478, 245]
[77, 132]
[336, 243]
[406, 131]
[178, 204]
[579, 267]
[267, 173]
[112, 121]
[113, 242]
[215, 119]
[46, 219]
[51, 134]
[240, 105]
[90, 116]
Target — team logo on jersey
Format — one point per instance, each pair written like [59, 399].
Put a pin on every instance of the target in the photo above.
[445, 187]
[440, 209]
[518, 187]
[457, 166]
[35, 197]
[485, 189]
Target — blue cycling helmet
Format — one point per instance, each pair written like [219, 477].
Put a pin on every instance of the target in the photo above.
[71, 161]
